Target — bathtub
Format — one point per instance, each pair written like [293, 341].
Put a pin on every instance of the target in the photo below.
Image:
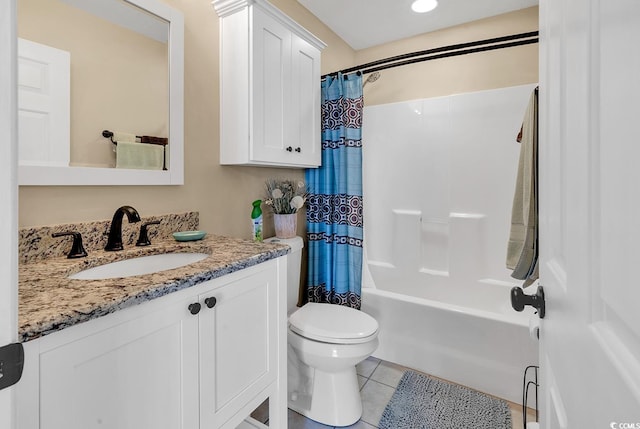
[468, 334]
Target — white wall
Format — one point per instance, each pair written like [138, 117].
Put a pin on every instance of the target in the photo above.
[439, 177]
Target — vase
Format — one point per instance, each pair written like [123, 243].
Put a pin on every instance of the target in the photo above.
[285, 225]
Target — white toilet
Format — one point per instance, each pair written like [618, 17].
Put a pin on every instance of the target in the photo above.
[326, 342]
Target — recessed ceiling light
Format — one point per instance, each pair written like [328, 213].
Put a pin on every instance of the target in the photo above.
[424, 6]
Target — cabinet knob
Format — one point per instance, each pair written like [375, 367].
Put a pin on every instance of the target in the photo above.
[298, 150]
[289, 149]
[210, 302]
[194, 308]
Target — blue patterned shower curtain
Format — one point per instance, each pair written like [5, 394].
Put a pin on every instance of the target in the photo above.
[334, 211]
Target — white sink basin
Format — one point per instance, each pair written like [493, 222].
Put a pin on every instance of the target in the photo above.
[139, 266]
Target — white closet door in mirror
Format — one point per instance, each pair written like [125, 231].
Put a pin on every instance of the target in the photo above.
[43, 104]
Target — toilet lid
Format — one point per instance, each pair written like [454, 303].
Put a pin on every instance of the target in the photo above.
[333, 323]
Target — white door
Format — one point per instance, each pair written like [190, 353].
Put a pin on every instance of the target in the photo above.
[44, 103]
[590, 213]
[8, 197]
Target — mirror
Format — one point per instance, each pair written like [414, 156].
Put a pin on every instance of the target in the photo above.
[124, 73]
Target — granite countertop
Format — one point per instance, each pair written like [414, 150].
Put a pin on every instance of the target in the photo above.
[49, 301]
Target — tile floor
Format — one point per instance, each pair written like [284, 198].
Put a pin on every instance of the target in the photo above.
[378, 380]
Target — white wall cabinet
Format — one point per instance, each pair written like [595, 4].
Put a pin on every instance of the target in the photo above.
[269, 86]
[158, 365]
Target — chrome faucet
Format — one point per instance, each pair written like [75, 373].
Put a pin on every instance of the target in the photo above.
[114, 242]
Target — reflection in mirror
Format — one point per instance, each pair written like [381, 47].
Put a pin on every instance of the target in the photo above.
[89, 66]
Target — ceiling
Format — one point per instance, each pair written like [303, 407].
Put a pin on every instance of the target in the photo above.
[366, 23]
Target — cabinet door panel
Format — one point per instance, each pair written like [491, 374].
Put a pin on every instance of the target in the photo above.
[139, 374]
[305, 103]
[271, 88]
[238, 340]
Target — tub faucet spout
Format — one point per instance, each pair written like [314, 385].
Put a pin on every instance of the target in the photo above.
[114, 242]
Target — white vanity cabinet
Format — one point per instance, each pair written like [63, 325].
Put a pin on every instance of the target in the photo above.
[269, 87]
[157, 365]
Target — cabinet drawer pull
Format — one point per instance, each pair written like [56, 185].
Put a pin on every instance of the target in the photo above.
[289, 149]
[298, 150]
[194, 308]
[210, 302]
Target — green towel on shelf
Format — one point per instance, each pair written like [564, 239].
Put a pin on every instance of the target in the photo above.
[139, 156]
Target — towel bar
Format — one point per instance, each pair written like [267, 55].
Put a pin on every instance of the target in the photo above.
[162, 141]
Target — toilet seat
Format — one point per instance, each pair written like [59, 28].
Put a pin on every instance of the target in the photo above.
[334, 324]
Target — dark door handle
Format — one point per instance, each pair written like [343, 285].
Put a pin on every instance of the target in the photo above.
[519, 300]
[11, 364]
[194, 308]
[289, 149]
[298, 150]
[210, 302]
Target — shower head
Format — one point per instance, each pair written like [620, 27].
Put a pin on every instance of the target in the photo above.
[372, 78]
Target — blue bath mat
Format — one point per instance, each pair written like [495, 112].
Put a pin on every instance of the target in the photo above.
[422, 402]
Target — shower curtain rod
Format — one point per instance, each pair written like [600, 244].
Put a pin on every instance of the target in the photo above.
[443, 52]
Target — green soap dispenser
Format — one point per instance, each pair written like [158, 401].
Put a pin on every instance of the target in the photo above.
[256, 220]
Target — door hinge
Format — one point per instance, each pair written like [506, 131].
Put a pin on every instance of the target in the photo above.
[11, 364]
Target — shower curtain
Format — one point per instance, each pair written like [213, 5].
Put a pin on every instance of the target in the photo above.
[334, 212]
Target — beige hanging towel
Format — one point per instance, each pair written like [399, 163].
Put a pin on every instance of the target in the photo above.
[522, 250]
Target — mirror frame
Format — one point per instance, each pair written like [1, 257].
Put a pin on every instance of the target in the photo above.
[89, 176]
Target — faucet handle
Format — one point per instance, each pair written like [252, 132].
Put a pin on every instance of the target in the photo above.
[77, 249]
[143, 239]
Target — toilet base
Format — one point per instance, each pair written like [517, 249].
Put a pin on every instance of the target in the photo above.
[332, 399]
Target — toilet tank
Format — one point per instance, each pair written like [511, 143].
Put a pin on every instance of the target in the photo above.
[294, 261]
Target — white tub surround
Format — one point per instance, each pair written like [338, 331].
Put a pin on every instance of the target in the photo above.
[436, 231]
